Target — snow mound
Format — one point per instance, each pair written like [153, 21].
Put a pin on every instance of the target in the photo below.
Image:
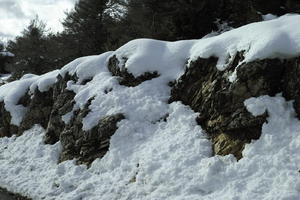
[146, 55]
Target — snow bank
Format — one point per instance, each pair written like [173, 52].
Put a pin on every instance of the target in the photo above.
[166, 160]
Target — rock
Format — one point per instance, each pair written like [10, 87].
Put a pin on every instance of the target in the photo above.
[224, 144]
[39, 109]
[63, 102]
[6, 129]
[221, 103]
[291, 83]
[86, 146]
[126, 78]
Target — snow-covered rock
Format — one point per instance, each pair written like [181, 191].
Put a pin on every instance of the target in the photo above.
[141, 141]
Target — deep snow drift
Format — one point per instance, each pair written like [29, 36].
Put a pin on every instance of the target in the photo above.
[150, 158]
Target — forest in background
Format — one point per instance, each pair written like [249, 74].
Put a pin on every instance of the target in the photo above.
[97, 26]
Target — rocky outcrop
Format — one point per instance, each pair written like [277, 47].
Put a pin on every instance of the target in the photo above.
[205, 89]
[39, 108]
[6, 129]
[47, 109]
[86, 146]
[62, 104]
[221, 103]
[291, 83]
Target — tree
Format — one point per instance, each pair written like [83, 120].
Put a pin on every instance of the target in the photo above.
[5, 58]
[34, 52]
[84, 27]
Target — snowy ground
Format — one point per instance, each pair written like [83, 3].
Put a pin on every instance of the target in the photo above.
[173, 162]
[153, 159]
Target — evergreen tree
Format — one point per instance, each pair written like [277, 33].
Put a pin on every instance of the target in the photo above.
[84, 27]
[3, 58]
[32, 50]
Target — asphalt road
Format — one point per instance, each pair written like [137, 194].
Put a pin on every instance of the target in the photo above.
[4, 195]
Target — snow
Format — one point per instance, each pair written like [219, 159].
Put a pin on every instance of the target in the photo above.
[278, 38]
[7, 53]
[11, 93]
[150, 158]
[169, 160]
[146, 55]
[168, 59]
[269, 17]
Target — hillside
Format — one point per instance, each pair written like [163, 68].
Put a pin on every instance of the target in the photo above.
[214, 118]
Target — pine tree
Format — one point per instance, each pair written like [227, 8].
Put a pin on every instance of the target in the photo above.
[31, 50]
[84, 26]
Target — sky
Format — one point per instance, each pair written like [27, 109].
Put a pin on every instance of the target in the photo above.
[15, 15]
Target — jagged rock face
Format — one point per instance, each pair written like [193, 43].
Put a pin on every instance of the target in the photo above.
[63, 103]
[6, 129]
[221, 103]
[86, 146]
[291, 83]
[39, 109]
[126, 78]
[47, 109]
